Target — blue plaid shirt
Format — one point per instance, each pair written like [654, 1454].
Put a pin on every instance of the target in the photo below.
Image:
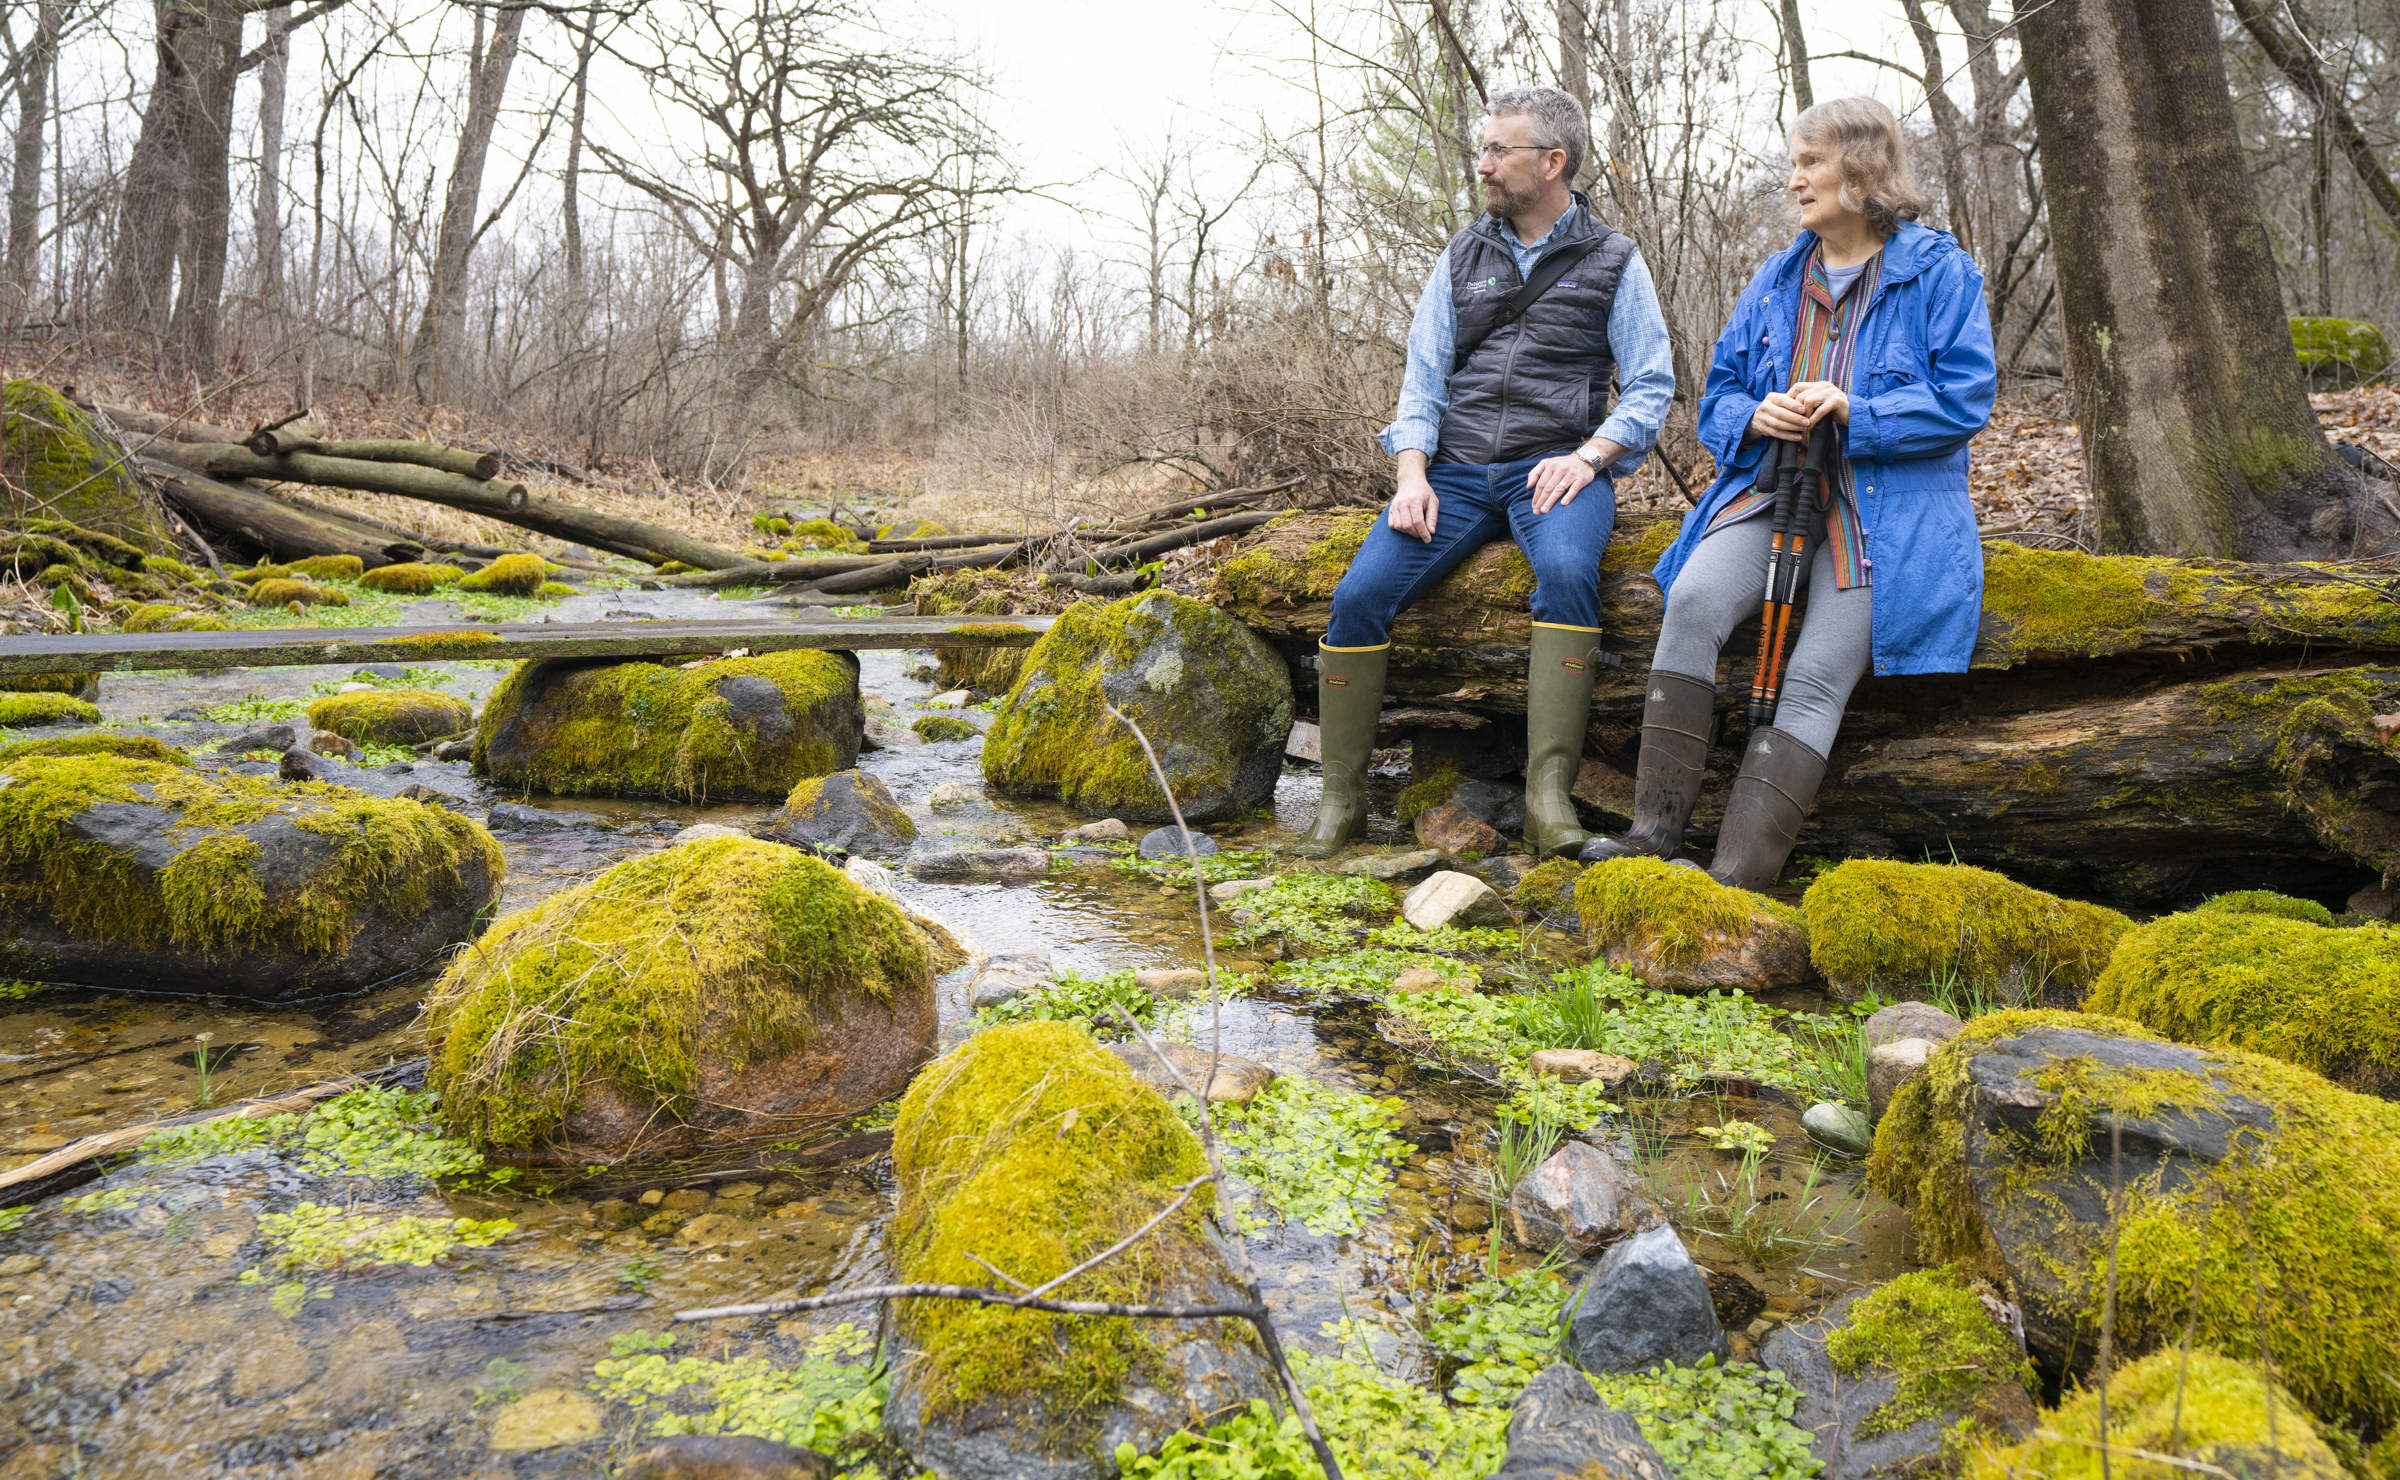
[1637, 335]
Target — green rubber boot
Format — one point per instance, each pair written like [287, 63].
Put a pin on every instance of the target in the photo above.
[1558, 704]
[1349, 697]
[1771, 796]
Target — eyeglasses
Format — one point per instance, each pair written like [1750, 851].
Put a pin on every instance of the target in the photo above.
[1494, 151]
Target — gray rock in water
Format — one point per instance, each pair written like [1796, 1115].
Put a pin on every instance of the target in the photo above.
[849, 811]
[326, 742]
[381, 670]
[187, 715]
[700, 832]
[517, 817]
[981, 865]
[725, 1457]
[430, 796]
[1009, 975]
[1834, 1406]
[1840, 1127]
[277, 738]
[1645, 1303]
[1911, 1020]
[1392, 867]
[1579, 1200]
[1561, 1429]
[454, 750]
[1891, 1065]
[1232, 1080]
[307, 765]
[1106, 830]
[1500, 806]
[1167, 842]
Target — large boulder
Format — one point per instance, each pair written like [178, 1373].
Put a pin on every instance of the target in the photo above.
[847, 812]
[2323, 998]
[742, 729]
[1884, 1374]
[392, 716]
[2257, 1199]
[1679, 930]
[1876, 925]
[1031, 1148]
[1214, 699]
[708, 992]
[57, 462]
[147, 875]
[2206, 1414]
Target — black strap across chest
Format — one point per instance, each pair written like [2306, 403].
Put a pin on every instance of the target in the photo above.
[1546, 274]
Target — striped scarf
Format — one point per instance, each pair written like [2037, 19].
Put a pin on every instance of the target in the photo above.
[1824, 349]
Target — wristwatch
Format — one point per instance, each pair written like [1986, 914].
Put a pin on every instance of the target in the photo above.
[1589, 455]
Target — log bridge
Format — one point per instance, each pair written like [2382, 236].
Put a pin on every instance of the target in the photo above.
[292, 647]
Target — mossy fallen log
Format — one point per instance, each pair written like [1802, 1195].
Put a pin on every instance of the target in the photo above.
[2133, 727]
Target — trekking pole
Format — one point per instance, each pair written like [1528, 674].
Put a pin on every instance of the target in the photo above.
[1781, 465]
[1823, 446]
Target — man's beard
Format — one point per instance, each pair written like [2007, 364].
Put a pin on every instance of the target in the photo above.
[1506, 204]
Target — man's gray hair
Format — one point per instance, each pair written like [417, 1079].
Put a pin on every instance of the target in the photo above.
[1557, 120]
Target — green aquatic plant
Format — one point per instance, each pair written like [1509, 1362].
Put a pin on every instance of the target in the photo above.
[1738, 1135]
[1321, 910]
[1317, 1155]
[1379, 1428]
[1449, 940]
[1496, 1335]
[318, 1236]
[382, 1133]
[1369, 971]
[1540, 1098]
[1222, 866]
[257, 709]
[830, 1400]
[1099, 1004]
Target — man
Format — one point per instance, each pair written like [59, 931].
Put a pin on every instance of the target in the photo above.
[1515, 439]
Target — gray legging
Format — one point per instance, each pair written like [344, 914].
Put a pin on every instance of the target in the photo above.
[1721, 587]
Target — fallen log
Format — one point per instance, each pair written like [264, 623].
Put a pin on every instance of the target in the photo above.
[1209, 529]
[941, 542]
[296, 433]
[284, 530]
[482, 466]
[509, 503]
[1220, 499]
[875, 578]
[159, 425]
[776, 572]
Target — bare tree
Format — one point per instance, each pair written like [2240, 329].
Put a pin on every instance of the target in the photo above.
[266, 210]
[32, 61]
[490, 58]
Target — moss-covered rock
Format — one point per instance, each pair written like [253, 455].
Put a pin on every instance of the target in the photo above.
[2257, 1199]
[510, 575]
[50, 451]
[1214, 700]
[713, 991]
[1548, 891]
[411, 578]
[938, 727]
[83, 685]
[1421, 797]
[2292, 989]
[824, 537]
[392, 716]
[2209, 1414]
[282, 591]
[1679, 930]
[2265, 902]
[132, 747]
[847, 812]
[744, 729]
[1033, 1148]
[555, 591]
[20, 711]
[922, 529]
[2339, 353]
[330, 567]
[148, 876]
[149, 617]
[1877, 925]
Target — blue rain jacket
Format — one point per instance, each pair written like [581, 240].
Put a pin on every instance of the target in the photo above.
[1921, 386]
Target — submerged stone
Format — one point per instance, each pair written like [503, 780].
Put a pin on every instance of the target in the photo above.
[1839, 1126]
[982, 865]
[1560, 1428]
[149, 876]
[849, 812]
[1644, 1304]
[1213, 698]
[1579, 1201]
[703, 993]
[725, 1457]
[1232, 1080]
[740, 729]
[1172, 842]
[544, 1419]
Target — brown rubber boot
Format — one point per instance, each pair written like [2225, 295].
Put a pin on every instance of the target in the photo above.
[1349, 697]
[1779, 778]
[1558, 705]
[1666, 781]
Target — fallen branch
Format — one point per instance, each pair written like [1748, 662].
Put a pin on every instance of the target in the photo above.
[1216, 500]
[942, 542]
[776, 572]
[1156, 545]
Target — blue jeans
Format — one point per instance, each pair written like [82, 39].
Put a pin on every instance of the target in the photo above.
[1480, 503]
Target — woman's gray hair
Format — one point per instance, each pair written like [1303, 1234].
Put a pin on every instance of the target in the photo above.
[1877, 182]
[1558, 121]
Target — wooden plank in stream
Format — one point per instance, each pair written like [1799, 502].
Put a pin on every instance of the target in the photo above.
[290, 647]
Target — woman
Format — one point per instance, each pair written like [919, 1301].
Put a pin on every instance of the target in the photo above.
[1877, 323]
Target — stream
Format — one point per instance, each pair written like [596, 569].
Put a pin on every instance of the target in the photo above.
[131, 1345]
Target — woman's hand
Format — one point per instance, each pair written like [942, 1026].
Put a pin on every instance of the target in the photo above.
[1783, 415]
[1823, 398]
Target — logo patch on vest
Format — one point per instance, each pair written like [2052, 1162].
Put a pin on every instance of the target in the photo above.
[1336, 681]
[1572, 665]
[1567, 283]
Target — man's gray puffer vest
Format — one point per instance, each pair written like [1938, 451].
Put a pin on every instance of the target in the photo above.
[1542, 384]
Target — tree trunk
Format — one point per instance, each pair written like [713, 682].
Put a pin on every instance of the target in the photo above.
[1795, 54]
[571, 183]
[141, 280]
[1948, 127]
[445, 321]
[266, 212]
[25, 180]
[2298, 63]
[283, 530]
[207, 190]
[2196, 425]
[1575, 75]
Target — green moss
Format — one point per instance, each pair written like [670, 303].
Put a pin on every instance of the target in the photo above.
[330, 567]
[47, 683]
[1425, 795]
[944, 727]
[1548, 889]
[390, 854]
[824, 537]
[173, 568]
[265, 570]
[981, 593]
[2327, 1000]
[2064, 601]
[279, 592]
[1032, 1148]
[2265, 902]
[411, 578]
[2339, 353]
[440, 645]
[1054, 735]
[510, 575]
[739, 943]
[2206, 1411]
[1943, 1348]
[148, 617]
[1637, 548]
[51, 453]
[555, 591]
[2305, 1212]
[132, 747]
[923, 529]
[195, 622]
[1878, 925]
[1681, 913]
[19, 710]
[392, 716]
[643, 729]
[1286, 568]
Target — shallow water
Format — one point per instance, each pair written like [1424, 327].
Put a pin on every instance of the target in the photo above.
[129, 1346]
